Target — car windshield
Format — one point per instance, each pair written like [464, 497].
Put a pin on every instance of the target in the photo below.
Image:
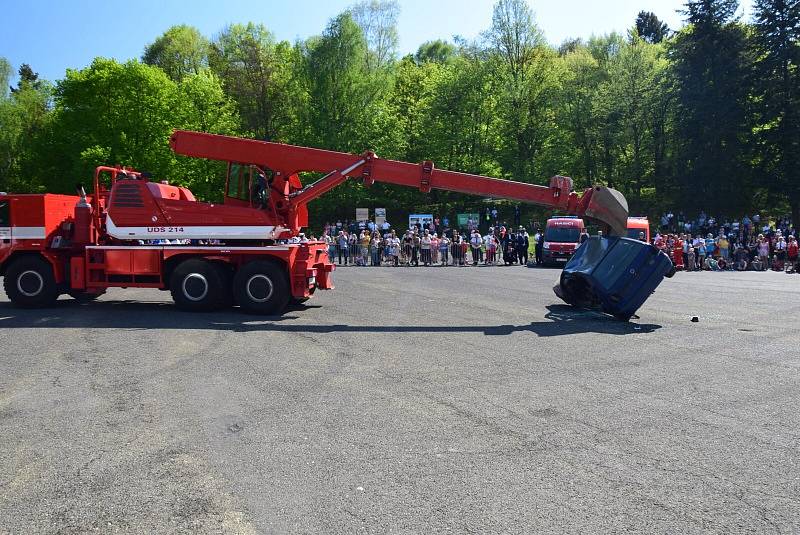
[562, 234]
[634, 233]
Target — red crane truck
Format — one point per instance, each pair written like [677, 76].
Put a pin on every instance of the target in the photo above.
[236, 252]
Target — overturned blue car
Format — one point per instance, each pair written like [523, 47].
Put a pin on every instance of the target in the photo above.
[615, 275]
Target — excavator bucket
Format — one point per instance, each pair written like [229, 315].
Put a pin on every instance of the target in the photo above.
[609, 207]
[615, 275]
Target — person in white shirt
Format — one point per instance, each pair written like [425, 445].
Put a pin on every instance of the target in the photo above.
[393, 243]
[780, 251]
[475, 243]
[491, 247]
[425, 247]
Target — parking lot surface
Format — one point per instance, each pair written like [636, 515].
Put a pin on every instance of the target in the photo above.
[408, 400]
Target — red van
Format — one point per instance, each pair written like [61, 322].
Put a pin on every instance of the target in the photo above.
[638, 226]
[562, 235]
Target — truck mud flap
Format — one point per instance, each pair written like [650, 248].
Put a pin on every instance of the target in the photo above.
[615, 275]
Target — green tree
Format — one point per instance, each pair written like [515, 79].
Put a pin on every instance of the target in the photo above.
[27, 79]
[343, 93]
[461, 129]
[515, 36]
[347, 106]
[5, 76]
[180, 51]
[378, 21]
[651, 28]
[203, 106]
[577, 111]
[710, 64]
[261, 76]
[111, 113]
[633, 93]
[777, 92]
[530, 80]
[437, 51]
[24, 115]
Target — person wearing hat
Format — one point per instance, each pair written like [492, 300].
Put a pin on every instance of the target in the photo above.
[475, 243]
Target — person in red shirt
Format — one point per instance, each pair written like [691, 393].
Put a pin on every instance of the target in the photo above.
[677, 253]
[791, 255]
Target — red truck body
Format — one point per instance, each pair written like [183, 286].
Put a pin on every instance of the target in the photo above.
[43, 227]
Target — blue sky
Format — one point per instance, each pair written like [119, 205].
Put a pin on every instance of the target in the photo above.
[56, 34]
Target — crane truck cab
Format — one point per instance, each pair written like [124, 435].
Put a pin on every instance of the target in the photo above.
[562, 236]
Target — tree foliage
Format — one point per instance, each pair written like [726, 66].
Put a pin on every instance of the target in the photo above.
[260, 75]
[378, 21]
[710, 65]
[777, 94]
[650, 27]
[5, 76]
[437, 51]
[705, 118]
[180, 52]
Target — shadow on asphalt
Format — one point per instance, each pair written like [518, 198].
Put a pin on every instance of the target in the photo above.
[561, 320]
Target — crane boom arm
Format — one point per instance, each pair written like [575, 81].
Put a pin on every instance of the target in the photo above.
[602, 204]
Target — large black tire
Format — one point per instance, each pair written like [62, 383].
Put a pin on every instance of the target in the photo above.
[29, 283]
[261, 287]
[198, 286]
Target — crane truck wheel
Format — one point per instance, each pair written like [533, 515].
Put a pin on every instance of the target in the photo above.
[198, 286]
[29, 283]
[261, 288]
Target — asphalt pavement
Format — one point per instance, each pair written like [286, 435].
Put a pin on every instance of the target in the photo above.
[408, 400]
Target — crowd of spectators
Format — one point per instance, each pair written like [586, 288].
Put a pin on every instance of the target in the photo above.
[703, 243]
[748, 244]
[375, 246]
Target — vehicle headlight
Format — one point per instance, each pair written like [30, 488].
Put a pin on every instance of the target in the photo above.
[546, 245]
